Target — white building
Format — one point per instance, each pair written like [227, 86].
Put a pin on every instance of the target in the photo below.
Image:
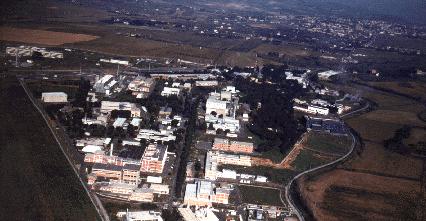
[141, 84]
[311, 109]
[54, 97]
[105, 85]
[168, 91]
[206, 83]
[162, 135]
[327, 74]
[108, 106]
[161, 189]
[202, 214]
[142, 216]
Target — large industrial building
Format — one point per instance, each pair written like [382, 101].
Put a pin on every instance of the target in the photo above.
[54, 97]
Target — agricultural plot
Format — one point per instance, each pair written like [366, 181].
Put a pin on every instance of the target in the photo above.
[37, 183]
[33, 36]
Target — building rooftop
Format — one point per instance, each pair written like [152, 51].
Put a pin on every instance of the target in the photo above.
[101, 166]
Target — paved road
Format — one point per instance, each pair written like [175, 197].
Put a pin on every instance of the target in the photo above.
[290, 201]
[93, 198]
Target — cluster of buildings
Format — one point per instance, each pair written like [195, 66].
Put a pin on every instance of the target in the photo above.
[333, 126]
[27, 51]
[141, 86]
[136, 110]
[214, 159]
[140, 216]
[318, 107]
[221, 110]
[205, 193]
[121, 177]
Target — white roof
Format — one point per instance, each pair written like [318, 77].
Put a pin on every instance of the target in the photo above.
[119, 122]
[91, 148]
[54, 94]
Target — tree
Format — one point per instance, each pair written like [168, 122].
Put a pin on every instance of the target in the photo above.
[131, 131]
[219, 131]
[174, 123]
[211, 126]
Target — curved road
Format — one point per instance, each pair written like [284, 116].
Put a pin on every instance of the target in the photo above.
[290, 202]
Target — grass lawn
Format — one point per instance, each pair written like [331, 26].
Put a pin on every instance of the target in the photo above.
[274, 155]
[262, 196]
[37, 183]
[306, 160]
[328, 143]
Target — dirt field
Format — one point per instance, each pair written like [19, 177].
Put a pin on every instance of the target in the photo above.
[50, 38]
[377, 184]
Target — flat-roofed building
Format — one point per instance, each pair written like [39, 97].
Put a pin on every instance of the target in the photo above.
[161, 189]
[154, 179]
[142, 195]
[108, 106]
[148, 134]
[108, 171]
[141, 84]
[118, 188]
[221, 195]
[54, 97]
[154, 158]
[232, 146]
[202, 214]
[204, 193]
[231, 159]
[168, 91]
[131, 173]
[206, 83]
[100, 157]
[143, 216]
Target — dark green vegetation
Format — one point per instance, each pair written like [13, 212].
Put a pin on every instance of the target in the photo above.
[274, 155]
[273, 119]
[273, 175]
[191, 110]
[396, 143]
[262, 196]
[37, 183]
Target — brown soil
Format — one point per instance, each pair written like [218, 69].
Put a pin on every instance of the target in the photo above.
[42, 37]
[376, 183]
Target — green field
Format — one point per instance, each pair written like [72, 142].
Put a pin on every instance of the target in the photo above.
[37, 183]
[274, 155]
[328, 143]
[262, 196]
[307, 160]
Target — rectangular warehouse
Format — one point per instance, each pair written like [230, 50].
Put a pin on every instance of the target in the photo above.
[54, 97]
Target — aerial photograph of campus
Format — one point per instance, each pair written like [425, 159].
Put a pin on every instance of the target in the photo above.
[213, 110]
